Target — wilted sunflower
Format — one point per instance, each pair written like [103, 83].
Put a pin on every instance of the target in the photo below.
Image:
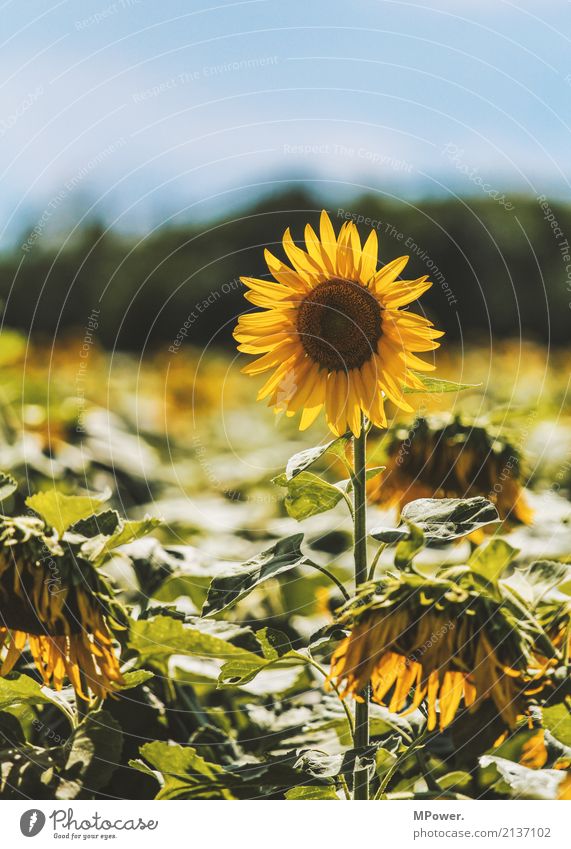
[332, 331]
[54, 602]
[442, 641]
[444, 457]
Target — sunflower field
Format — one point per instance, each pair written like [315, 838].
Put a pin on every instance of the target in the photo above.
[362, 592]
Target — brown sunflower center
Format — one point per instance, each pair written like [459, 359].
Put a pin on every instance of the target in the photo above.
[339, 324]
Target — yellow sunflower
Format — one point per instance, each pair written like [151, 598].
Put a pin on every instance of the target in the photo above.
[332, 331]
[446, 457]
[57, 605]
[443, 642]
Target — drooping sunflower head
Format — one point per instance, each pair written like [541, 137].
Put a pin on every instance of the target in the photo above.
[443, 642]
[56, 604]
[446, 457]
[332, 331]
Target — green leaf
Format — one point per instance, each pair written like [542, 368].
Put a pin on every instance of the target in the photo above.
[330, 716]
[347, 484]
[22, 690]
[184, 773]
[242, 670]
[104, 524]
[437, 386]
[228, 588]
[514, 781]
[390, 535]
[558, 721]
[7, 486]
[275, 644]
[157, 639]
[308, 495]
[100, 547]
[320, 765]
[442, 519]
[312, 793]
[278, 653]
[327, 636]
[94, 752]
[59, 511]
[304, 459]
[456, 780]
[491, 559]
[543, 582]
[407, 548]
[134, 679]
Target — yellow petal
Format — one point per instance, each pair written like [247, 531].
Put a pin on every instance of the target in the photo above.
[369, 257]
[388, 274]
[275, 291]
[328, 240]
[285, 275]
[301, 261]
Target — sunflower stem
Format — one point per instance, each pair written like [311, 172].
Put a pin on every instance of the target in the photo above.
[82, 705]
[332, 578]
[361, 776]
[376, 559]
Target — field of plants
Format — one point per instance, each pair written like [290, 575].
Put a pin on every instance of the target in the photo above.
[202, 598]
[177, 584]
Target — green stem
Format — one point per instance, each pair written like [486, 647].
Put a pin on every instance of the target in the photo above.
[344, 787]
[361, 776]
[348, 502]
[376, 558]
[312, 662]
[431, 782]
[332, 577]
[82, 704]
[381, 792]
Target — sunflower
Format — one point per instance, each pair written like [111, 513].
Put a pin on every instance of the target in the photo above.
[52, 601]
[442, 641]
[445, 457]
[332, 331]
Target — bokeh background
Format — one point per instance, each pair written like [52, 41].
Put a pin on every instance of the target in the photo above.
[151, 151]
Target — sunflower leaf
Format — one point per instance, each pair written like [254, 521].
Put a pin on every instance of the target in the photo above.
[304, 459]
[134, 679]
[556, 719]
[438, 386]
[20, 689]
[7, 486]
[104, 523]
[407, 548]
[390, 535]
[492, 559]
[100, 547]
[308, 495]
[542, 582]
[158, 638]
[241, 670]
[186, 775]
[347, 484]
[93, 754]
[229, 587]
[60, 511]
[511, 780]
[304, 793]
[443, 519]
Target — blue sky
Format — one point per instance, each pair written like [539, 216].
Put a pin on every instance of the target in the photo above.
[145, 111]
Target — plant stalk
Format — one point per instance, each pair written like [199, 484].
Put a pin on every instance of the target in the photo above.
[361, 776]
[82, 705]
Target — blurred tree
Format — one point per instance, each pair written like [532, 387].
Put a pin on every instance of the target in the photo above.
[497, 272]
